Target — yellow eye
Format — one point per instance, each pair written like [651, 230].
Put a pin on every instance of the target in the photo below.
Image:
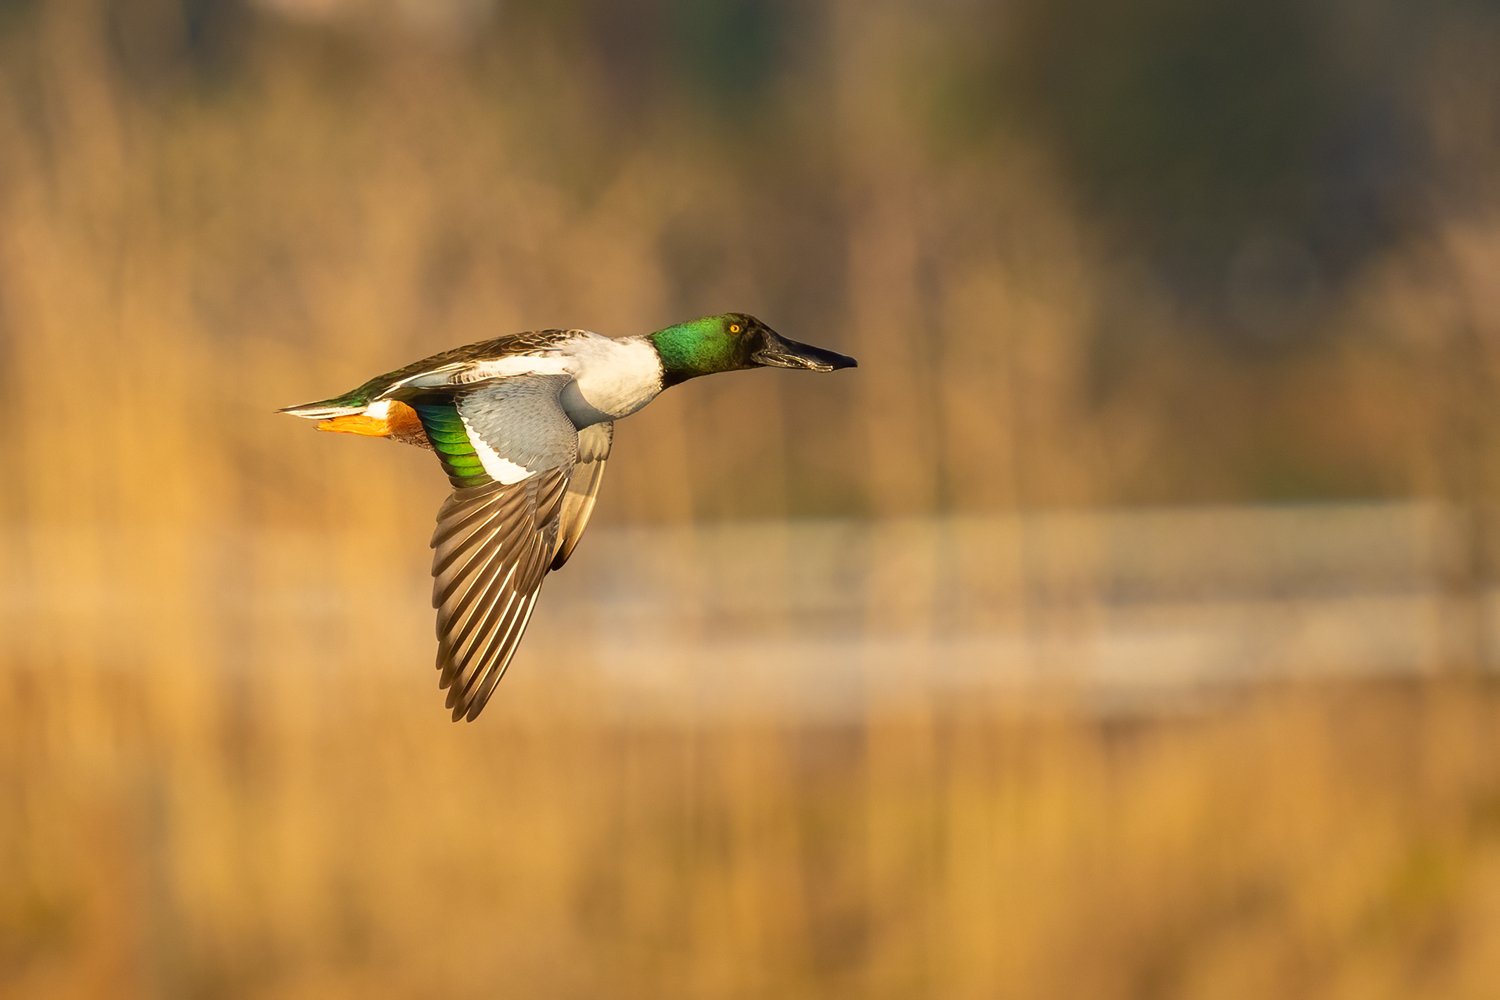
[734, 328]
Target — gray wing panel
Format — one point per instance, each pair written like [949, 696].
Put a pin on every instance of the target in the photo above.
[519, 420]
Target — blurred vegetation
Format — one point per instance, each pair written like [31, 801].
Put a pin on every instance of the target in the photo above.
[1052, 231]
[1171, 254]
[1329, 842]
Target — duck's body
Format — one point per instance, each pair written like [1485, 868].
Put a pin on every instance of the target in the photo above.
[606, 379]
[522, 425]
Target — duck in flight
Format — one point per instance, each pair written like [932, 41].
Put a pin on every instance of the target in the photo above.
[522, 425]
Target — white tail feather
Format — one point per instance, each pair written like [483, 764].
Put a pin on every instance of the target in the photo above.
[320, 411]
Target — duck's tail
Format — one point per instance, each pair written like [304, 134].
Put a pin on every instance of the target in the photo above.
[328, 409]
[349, 413]
[352, 414]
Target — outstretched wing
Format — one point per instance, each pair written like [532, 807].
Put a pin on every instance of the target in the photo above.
[492, 547]
[578, 504]
[510, 451]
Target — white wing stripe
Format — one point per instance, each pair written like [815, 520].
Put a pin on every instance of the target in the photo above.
[498, 467]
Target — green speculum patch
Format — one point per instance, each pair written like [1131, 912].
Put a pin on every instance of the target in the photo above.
[445, 429]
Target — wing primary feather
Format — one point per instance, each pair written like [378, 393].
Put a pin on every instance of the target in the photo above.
[506, 632]
[500, 640]
[455, 647]
[474, 600]
[493, 646]
[498, 529]
[470, 557]
[475, 517]
[504, 534]
[459, 567]
[501, 633]
[483, 697]
[493, 547]
[461, 647]
[462, 652]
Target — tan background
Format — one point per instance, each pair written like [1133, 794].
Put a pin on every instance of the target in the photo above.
[1118, 629]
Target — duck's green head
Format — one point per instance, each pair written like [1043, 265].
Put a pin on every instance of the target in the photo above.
[733, 341]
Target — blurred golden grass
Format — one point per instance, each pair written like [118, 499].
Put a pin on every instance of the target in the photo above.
[163, 839]
[198, 801]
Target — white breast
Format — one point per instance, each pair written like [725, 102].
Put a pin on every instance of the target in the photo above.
[611, 378]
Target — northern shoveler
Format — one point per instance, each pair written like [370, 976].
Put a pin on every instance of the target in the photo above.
[522, 426]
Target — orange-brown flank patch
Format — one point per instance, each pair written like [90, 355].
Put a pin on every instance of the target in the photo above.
[400, 422]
